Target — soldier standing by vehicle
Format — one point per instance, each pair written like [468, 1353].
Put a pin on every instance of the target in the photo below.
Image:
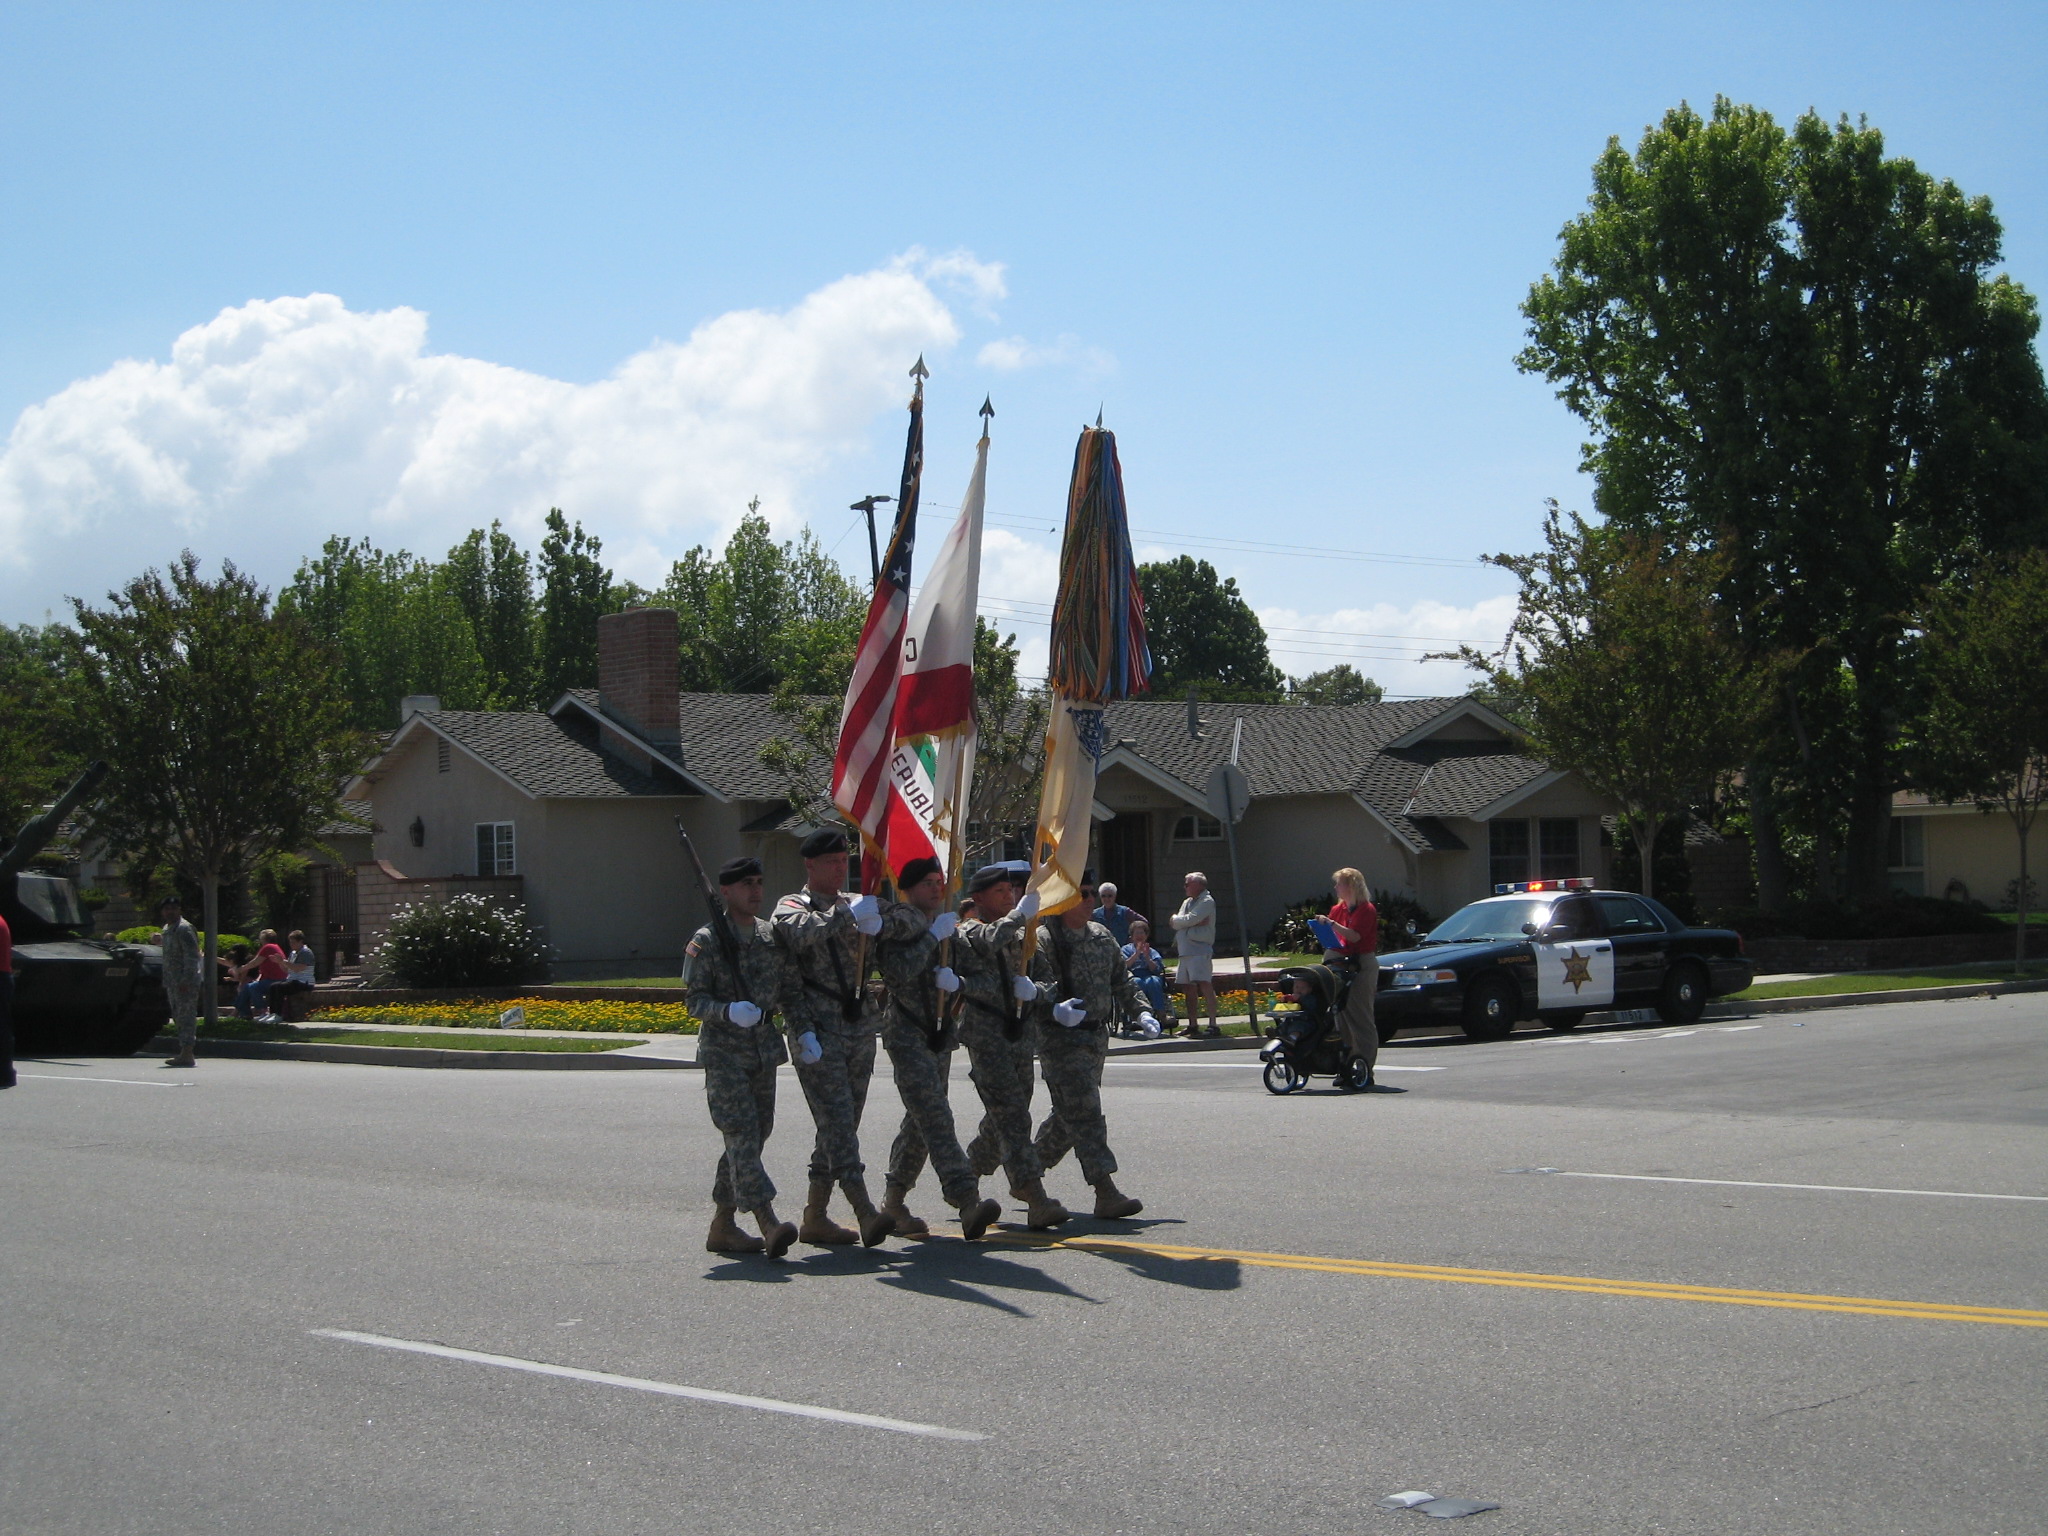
[736, 978]
[182, 977]
[822, 932]
[920, 1040]
[1081, 972]
[997, 1034]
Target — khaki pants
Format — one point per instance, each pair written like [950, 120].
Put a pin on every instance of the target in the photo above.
[1356, 1024]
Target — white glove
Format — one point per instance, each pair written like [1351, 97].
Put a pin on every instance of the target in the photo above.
[808, 1051]
[944, 924]
[1070, 1013]
[1027, 905]
[944, 979]
[1024, 989]
[1148, 1026]
[746, 1015]
[867, 915]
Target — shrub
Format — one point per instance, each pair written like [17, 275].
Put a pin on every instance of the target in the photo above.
[1902, 917]
[148, 932]
[465, 941]
[1291, 935]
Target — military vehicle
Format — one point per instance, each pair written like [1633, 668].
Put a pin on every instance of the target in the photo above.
[72, 993]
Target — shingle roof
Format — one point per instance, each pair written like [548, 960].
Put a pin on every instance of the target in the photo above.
[355, 819]
[722, 736]
[547, 757]
[1307, 749]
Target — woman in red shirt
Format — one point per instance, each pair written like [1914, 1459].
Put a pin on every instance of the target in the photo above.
[1357, 925]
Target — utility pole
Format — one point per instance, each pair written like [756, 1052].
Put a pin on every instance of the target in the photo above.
[868, 504]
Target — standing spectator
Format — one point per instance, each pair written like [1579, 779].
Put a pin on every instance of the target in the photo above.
[286, 998]
[1194, 927]
[1355, 923]
[1146, 965]
[182, 977]
[6, 1005]
[1116, 919]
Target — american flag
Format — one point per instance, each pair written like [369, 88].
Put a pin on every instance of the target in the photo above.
[867, 728]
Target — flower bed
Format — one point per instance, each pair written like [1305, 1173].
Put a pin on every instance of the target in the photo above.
[541, 1013]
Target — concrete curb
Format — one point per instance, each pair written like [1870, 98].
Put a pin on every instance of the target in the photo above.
[1855, 999]
[413, 1056]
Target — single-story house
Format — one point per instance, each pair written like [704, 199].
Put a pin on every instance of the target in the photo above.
[1428, 798]
[1959, 852]
[571, 809]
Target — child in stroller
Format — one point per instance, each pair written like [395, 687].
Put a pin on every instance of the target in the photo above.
[1304, 1043]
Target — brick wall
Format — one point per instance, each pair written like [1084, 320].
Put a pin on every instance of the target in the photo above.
[638, 673]
[382, 890]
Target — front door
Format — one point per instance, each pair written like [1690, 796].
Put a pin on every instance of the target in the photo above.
[1641, 947]
[1574, 959]
[1125, 843]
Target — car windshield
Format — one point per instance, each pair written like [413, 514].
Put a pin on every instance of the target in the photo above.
[1501, 918]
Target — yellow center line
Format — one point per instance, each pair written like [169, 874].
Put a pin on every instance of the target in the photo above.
[1652, 1290]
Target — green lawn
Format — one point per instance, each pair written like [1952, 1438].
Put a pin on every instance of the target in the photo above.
[1888, 981]
[420, 1039]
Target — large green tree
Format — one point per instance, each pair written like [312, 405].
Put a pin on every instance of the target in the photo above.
[1984, 735]
[1793, 350]
[35, 758]
[492, 579]
[1202, 632]
[219, 721]
[1627, 671]
[1341, 684]
[576, 591]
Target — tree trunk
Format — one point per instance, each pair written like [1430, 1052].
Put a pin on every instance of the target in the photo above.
[1867, 861]
[1646, 850]
[1766, 839]
[209, 968]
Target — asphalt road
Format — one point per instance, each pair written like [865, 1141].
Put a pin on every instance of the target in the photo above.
[175, 1243]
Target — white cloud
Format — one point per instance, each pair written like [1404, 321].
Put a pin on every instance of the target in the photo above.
[1387, 642]
[284, 420]
[1008, 354]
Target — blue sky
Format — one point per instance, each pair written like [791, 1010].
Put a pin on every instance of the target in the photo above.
[652, 261]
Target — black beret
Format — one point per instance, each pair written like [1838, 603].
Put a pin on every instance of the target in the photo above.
[733, 871]
[986, 876]
[823, 841]
[916, 870]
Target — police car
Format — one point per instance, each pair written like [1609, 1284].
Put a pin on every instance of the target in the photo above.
[1557, 950]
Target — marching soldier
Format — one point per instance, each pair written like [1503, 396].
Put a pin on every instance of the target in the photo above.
[1082, 974]
[822, 931]
[997, 1034]
[736, 978]
[920, 1043]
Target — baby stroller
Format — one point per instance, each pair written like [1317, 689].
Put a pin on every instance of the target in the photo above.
[1305, 1043]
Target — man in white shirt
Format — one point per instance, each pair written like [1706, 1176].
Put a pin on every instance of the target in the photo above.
[1194, 927]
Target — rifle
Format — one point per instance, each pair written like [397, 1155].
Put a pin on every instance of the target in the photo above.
[721, 921]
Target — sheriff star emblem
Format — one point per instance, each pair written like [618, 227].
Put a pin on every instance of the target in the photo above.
[1576, 970]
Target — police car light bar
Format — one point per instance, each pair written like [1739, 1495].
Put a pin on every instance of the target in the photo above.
[1576, 883]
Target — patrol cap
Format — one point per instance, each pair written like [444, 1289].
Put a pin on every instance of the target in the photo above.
[733, 871]
[824, 841]
[916, 870]
[986, 876]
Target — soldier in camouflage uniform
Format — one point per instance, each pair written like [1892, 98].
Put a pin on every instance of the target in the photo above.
[1080, 969]
[997, 1033]
[825, 935]
[739, 1049]
[919, 1039]
[184, 969]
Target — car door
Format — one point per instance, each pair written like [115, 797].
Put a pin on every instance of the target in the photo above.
[1574, 959]
[1642, 949]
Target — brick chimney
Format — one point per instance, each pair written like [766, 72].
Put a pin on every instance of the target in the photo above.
[638, 674]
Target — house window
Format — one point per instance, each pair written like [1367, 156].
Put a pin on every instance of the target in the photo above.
[494, 851]
[1197, 829]
[441, 756]
[1908, 855]
[1507, 846]
[1557, 848]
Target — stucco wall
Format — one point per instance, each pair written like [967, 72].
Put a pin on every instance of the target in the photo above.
[449, 805]
[1981, 851]
[621, 894]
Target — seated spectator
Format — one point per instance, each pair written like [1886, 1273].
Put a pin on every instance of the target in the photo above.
[239, 970]
[269, 969]
[287, 998]
[1147, 966]
[1116, 919]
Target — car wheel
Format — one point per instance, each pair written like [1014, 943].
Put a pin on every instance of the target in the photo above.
[1563, 1018]
[1491, 1009]
[1684, 997]
[1282, 1076]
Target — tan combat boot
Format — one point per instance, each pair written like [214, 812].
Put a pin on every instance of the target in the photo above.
[976, 1214]
[874, 1226]
[818, 1229]
[1040, 1209]
[779, 1234]
[725, 1235]
[907, 1225]
[1111, 1203]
